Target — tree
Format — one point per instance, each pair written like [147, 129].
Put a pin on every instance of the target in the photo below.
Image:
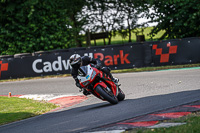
[76, 16]
[32, 25]
[103, 16]
[127, 7]
[179, 18]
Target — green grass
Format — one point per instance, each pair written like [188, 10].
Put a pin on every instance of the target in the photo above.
[146, 34]
[31, 78]
[14, 109]
[142, 69]
[119, 40]
[192, 126]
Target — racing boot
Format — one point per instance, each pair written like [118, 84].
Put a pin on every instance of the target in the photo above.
[85, 92]
[115, 80]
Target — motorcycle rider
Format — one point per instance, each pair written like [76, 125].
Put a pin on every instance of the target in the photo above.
[76, 61]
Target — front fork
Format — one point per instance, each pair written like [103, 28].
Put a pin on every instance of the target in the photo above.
[117, 87]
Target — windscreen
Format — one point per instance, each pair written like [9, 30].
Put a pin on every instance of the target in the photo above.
[82, 71]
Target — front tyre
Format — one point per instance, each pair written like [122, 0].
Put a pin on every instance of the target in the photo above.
[121, 95]
[110, 97]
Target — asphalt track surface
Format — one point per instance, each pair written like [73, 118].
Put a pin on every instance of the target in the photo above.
[146, 92]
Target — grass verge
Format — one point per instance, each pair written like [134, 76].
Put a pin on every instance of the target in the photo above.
[192, 126]
[119, 40]
[142, 69]
[14, 108]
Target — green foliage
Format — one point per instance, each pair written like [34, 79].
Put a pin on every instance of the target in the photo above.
[191, 126]
[32, 25]
[179, 18]
[76, 18]
[41, 25]
[114, 16]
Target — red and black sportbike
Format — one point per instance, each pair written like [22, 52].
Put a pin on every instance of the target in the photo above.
[99, 84]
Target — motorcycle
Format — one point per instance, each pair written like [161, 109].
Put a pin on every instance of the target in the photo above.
[99, 84]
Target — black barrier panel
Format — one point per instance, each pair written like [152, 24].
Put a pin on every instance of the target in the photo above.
[188, 51]
[174, 52]
[147, 54]
[163, 52]
[42, 65]
[53, 63]
[118, 57]
[131, 55]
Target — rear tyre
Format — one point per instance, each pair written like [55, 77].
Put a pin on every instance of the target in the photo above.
[121, 95]
[110, 97]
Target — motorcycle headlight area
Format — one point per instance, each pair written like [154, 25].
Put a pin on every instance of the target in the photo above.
[93, 75]
[85, 83]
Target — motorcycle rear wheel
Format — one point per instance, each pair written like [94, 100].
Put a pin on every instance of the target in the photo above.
[112, 99]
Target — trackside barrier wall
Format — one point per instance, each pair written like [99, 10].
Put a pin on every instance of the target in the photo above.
[131, 55]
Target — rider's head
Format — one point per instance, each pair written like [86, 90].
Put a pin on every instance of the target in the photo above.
[75, 60]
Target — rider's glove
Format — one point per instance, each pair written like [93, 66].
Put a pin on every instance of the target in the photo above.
[78, 85]
[98, 66]
[85, 92]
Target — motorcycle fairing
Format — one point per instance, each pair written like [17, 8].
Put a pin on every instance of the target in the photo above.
[101, 84]
[109, 81]
[88, 73]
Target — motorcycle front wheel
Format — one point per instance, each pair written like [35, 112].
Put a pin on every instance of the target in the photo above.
[110, 97]
[121, 95]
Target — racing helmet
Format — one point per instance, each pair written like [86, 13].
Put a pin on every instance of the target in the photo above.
[75, 60]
